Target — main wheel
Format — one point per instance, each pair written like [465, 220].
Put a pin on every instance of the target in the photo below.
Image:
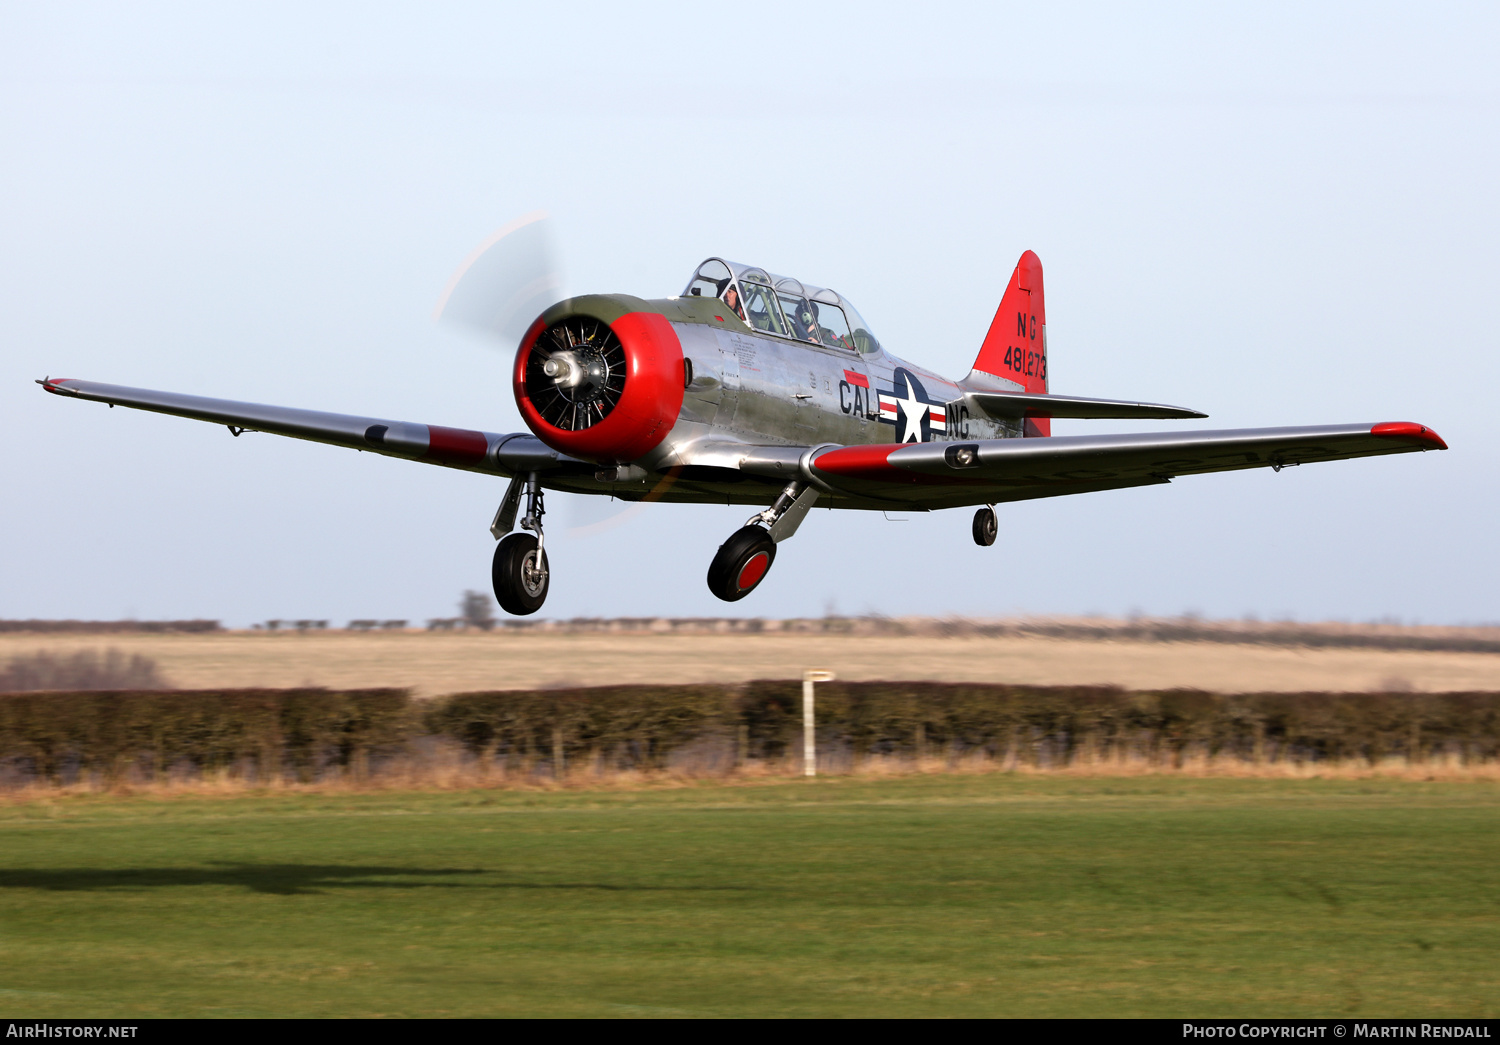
[741, 563]
[985, 527]
[520, 574]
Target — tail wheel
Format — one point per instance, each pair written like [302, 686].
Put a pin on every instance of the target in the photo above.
[741, 564]
[520, 574]
[986, 525]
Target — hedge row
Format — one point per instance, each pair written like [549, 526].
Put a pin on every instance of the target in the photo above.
[630, 725]
[270, 734]
[275, 732]
[642, 725]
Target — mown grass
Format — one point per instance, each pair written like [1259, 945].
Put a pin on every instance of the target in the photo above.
[994, 894]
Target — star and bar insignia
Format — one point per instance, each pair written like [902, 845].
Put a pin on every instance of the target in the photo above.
[906, 406]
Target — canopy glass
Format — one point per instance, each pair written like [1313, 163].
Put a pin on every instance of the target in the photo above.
[782, 306]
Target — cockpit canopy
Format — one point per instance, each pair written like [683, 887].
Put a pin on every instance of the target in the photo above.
[783, 306]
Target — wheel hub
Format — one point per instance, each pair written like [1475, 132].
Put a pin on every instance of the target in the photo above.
[754, 569]
[533, 573]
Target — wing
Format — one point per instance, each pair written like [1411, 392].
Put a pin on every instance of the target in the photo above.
[948, 475]
[431, 444]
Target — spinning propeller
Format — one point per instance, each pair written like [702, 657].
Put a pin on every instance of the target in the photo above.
[576, 370]
[505, 283]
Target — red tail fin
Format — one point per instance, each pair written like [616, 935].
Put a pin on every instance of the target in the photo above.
[1016, 346]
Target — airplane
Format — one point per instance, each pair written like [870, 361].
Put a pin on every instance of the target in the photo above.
[757, 389]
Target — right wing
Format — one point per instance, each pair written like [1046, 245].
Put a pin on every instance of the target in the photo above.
[431, 444]
[988, 471]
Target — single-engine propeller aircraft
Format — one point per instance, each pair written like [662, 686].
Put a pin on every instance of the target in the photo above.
[757, 389]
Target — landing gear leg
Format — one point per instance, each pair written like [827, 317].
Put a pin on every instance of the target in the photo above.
[986, 525]
[520, 573]
[743, 561]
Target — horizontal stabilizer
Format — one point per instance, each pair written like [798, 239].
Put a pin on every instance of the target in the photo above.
[1011, 405]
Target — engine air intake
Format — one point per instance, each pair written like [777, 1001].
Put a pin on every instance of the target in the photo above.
[575, 374]
[600, 378]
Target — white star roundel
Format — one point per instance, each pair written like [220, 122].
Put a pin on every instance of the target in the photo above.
[906, 406]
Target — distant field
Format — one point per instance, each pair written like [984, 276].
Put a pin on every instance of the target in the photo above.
[444, 663]
[993, 895]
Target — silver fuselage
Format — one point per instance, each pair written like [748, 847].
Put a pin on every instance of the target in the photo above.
[753, 390]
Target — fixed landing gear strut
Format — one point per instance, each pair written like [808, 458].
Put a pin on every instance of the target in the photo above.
[745, 558]
[519, 572]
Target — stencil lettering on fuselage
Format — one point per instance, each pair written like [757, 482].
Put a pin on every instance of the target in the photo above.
[906, 406]
[854, 396]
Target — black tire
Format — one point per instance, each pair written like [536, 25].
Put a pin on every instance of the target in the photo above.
[741, 564]
[985, 527]
[520, 579]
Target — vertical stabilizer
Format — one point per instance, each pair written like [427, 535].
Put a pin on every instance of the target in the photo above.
[1015, 349]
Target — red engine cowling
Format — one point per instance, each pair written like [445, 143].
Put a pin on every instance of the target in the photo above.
[598, 380]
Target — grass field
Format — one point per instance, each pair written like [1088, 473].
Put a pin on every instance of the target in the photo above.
[921, 896]
[432, 664]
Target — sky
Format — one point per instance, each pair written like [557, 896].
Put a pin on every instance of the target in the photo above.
[1274, 213]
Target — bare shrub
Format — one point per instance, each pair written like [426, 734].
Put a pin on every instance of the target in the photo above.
[84, 670]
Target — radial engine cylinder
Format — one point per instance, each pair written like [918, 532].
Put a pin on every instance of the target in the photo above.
[600, 378]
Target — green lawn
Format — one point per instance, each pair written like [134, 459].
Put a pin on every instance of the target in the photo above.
[935, 896]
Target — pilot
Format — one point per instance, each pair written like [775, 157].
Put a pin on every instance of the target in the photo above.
[732, 299]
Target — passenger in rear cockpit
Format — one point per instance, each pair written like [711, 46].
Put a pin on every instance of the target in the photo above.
[824, 334]
[807, 322]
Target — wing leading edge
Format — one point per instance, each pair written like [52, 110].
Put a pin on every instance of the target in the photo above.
[463, 448]
[944, 475]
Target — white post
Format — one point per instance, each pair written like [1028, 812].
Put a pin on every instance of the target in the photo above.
[809, 724]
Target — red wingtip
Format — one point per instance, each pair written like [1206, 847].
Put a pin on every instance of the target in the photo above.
[1410, 430]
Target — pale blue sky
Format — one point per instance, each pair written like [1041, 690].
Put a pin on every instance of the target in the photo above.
[1278, 214]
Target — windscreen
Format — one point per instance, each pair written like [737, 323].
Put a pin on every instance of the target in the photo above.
[710, 281]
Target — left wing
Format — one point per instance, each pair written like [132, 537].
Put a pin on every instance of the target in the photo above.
[947, 475]
[431, 444]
